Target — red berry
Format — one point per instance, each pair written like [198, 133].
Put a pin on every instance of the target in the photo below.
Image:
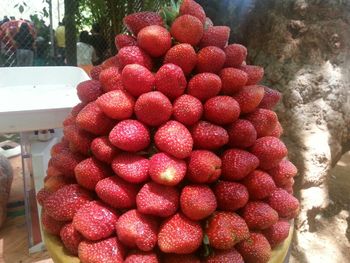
[233, 80]
[203, 167]
[175, 139]
[235, 55]
[215, 36]
[259, 215]
[242, 134]
[167, 170]
[80, 139]
[131, 167]
[204, 86]
[197, 201]
[134, 55]
[103, 150]
[89, 90]
[130, 135]
[136, 21]
[277, 131]
[226, 229]
[270, 99]
[141, 257]
[136, 230]
[187, 29]
[116, 192]
[95, 72]
[249, 97]
[124, 40]
[153, 108]
[111, 79]
[255, 249]
[66, 161]
[286, 205]
[190, 7]
[225, 256]
[116, 104]
[51, 225]
[179, 235]
[95, 221]
[42, 195]
[158, 200]
[277, 233]
[230, 195]
[259, 184]
[237, 164]
[270, 151]
[71, 238]
[182, 55]
[137, 79]
[210, 59]
[255, 73]
[221, 110]
[187, 109]
[283, 172]
[155, 40]
[208, 136]
[170, 80]
[264, 121]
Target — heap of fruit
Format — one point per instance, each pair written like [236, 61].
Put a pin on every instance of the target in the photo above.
[173, 154]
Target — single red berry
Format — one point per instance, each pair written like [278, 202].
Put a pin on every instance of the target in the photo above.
[259, 184]
[233, 80]
[134, 55]
[255, 249]
[235, 55]
[137, 79]
[259, 215]
[264, 121]
[270, 99]
[182, 55]
[277, 233]
[286, 205]
[242, 134]
[136, 21]
[255, 73]
[249, 97]
[187, 109]
[111, 79]
[230, 195]
[103, 150]
[284, 171]
[71, 238]
[225, 256]
[204, 86]
[190, 7]
[210, 59]
[221, 110]
[155, 40]
[187, 29]
[124, 40]
[208, 136]
[215, 36]
[89, 90]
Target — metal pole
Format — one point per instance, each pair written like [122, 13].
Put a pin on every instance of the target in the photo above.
[52, 49]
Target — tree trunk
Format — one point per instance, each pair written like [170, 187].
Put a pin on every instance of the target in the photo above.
[70, 9]
[304, 47]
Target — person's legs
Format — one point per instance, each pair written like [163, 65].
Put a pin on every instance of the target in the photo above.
[20, 57]
[29, 58]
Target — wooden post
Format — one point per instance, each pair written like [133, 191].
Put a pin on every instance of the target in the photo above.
[70, 8]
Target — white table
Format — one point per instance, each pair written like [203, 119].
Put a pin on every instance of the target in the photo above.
[31, 99]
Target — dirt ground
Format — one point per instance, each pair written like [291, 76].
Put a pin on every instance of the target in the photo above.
[332, 227]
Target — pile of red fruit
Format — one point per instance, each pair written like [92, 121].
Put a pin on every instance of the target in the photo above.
[173, 154]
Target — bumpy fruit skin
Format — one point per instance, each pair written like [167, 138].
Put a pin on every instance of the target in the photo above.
[180, 258]
[134, 55]
[167, 170]
[197, 201]
[226, 229]
[225, 256]
[264, 121]
[66, 161]
[210, 59]
[215, 36]
[95, 221]
[255, 249]
[187, 109]
[141, 257]
[187, 29]
[286, 205]
[190, 7]
[259, 215]
[283, 172]
[111, 79]
[230, 195]
[131, 167]
[155, 40]
[65, 202]
[42, 195]
[55, 182]
[242, 134]
[137, 79]
[116, 104]
[153, 108]
[255, 73]
[103, 150]
[203, 167]
[110, 62]
[92, 119]
[204, 86]
[270, 99]
[235, 55]
[71, 238]
[277, 131]
[259, 184]
[158, 200]
[179, 235]
[236, 164]
[130, 135]
[80, 139]
[270, 151]
[51, 225]
[89, 90]
[277, 233]
[249, 97]
[90, 171]
[182, 55]
[107, 250]
[124, 40]
[175, 139]
[116, 192]
[136, 230]
[137, 21]
[233, 80]
[221, 110]
[170, 80]
[95, 72]
[208, 136]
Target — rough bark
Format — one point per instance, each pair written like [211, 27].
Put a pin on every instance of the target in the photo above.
[304, 47]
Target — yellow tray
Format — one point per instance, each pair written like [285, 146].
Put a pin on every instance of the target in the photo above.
[59, 254]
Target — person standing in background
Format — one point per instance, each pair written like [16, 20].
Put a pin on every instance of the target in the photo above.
[60, 36]
[85, 52]
[24, 43]
[99, 43]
